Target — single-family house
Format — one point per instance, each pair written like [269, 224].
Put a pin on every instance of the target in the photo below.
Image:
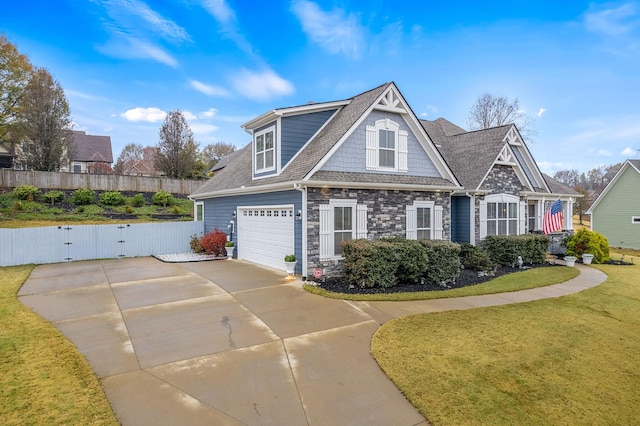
[93, 153]
[143, 167]
[616, 212]
[318, 174]
[7, 153]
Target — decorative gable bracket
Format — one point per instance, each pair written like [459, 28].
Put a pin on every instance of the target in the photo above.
[513, 137]
[391, 102]
[506, 157]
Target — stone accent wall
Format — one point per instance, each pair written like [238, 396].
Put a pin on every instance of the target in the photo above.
[386, 217]
[501, 179]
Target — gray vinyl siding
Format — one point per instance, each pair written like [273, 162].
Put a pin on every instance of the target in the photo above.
[612, 216]
[217, 213]
[351, 156]
[298, 129]
[460, 219]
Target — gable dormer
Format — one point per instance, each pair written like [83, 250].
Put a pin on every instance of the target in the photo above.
[524, 159]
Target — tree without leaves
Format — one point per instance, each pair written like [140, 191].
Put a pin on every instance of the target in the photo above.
[43, 125]
[212, 153]
[177, 151]
[131, 152]
[582, 203]
[571, 178]
[492, 111]
[15, 71]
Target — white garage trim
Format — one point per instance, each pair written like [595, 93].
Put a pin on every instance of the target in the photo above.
[266, 234]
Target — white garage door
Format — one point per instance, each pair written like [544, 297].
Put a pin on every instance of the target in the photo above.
[265, 235]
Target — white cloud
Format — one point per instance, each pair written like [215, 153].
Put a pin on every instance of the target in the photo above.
[604, 153]
[335, 31]
[134, 48]
[189, 115]
[262, 85]
[167, 28]
[220, 10]
[612, 21]
[541, 111]
[202, 128]
[208, 89]
[209, 113]
[629, 152]
[226, 18]
[151, 115]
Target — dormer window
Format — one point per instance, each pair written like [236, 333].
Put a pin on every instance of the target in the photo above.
[386, 147]
[265, 150]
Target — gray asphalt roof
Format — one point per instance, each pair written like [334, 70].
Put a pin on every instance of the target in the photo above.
[92, 147]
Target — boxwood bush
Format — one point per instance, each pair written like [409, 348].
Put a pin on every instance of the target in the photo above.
[26, 192]
[162, 198]
[412, 262]
[83, 197]
[444, 261]
[472, 257]
[112, 198]
[370, 263]
[505, 249]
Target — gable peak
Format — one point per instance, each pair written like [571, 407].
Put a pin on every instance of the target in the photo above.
[391, 101]
[513, 137]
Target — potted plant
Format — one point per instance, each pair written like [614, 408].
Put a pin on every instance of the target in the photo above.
[229, 246]
[290, 263]
[570, 260]
[587, 258]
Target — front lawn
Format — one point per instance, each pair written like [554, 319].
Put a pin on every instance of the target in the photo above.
[44, 380]
[563, 361]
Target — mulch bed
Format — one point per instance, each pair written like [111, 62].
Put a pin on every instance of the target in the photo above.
[466, 278]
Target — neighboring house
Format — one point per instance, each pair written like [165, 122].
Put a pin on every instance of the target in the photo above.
[6, 155]
[92, 153]
[319, 174]
[144, 167]
[224, 161]
[616, 212]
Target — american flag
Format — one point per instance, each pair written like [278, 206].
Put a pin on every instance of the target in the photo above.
[552, 220]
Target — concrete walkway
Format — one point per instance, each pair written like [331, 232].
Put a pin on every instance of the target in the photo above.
[231, 343]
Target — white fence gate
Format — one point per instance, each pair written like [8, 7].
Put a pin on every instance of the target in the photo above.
[69, 242]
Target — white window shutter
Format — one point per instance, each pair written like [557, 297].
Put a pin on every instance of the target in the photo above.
[403, 151]
[361, 221]
[437, 223]
[326, 231]
[483, 219]
[523, 218]
[412, 223]
[372, 148]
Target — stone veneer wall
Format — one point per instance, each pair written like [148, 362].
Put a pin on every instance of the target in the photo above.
[501, 179]
[386, 217]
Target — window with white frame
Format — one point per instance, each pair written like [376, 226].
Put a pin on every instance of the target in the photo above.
[502, 214]
[387, 146]
[424, 221]
[340, 221]
[265, 150]
[199, 211]
[531, 217]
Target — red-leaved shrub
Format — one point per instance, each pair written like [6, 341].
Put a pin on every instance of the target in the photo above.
[213, 242]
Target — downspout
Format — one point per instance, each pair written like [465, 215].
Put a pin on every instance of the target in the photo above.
[303, 190]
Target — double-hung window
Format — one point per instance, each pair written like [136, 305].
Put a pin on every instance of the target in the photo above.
[424, 221]
[387, 147]
[265, 150]
[340, 221]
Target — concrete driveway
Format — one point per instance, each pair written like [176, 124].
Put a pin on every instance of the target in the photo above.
[228, 342]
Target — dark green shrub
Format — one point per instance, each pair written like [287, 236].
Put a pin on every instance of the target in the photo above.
[162, 198]
[370, 263]
[26, 192]
[443, 261]
[54, 197]
[505, 249]
[474, 258]
[83, 196]
[138, 200]
[412, 261]
[112, 198]
[585, 241]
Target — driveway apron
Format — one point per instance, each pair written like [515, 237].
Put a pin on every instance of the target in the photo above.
[218, 342]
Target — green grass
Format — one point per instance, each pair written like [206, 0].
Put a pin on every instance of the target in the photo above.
[44, 380]
[532, 278]
[565, 361]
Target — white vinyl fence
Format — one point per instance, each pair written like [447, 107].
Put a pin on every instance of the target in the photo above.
[69, 242]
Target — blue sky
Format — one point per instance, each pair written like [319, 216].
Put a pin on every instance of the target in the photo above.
[573, 65]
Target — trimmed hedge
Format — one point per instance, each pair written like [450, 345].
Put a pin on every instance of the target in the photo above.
[505, 249]
[585, 241]
[444, 261]
[472, 257]
[370, 263]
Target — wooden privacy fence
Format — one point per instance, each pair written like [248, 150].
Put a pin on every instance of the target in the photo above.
[62, 180]
[53, 244]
